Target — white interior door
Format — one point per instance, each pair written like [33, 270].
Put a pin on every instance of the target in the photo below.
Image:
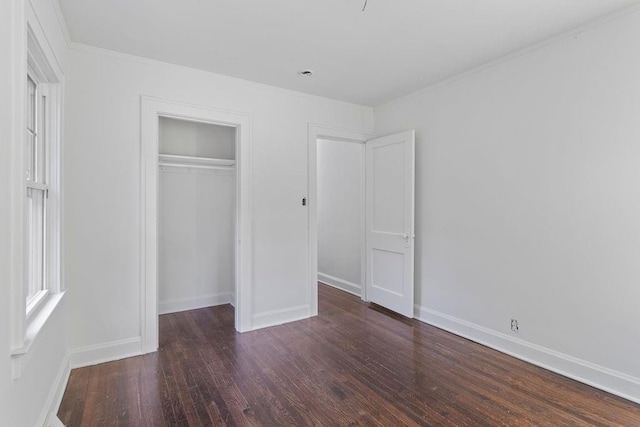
[390, 177]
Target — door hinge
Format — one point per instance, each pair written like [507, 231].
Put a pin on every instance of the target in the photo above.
[304, 201]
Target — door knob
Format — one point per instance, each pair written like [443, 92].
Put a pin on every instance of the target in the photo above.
[407, 238]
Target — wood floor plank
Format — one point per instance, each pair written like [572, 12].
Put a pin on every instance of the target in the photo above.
[354, 364]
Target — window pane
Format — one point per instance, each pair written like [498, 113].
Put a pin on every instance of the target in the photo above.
[29, 154]
[35, 242]
[40, 143]
[31, 104]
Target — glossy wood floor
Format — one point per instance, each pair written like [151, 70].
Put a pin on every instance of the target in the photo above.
[351, 365]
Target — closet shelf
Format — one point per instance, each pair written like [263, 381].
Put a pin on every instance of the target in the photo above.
[189, 161]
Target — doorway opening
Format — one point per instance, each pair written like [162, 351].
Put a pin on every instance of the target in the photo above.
[386, 221]
[152, 160]
[340, 207]
[196, 215]
[336, 210]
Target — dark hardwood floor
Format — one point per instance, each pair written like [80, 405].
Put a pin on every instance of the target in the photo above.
[351, 365]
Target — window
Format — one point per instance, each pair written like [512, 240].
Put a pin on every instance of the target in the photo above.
[36, 194]
[41, 156]
[36, 174]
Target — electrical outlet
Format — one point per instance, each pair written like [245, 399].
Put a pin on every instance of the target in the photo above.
[514, 325]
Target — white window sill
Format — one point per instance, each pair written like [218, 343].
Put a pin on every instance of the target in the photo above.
[33, 305]
[20, 356]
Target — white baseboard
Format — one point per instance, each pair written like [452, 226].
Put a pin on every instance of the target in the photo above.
[176, 306]
[278, 317]
[614, 382]
[48, 415]
[343, 285]
[106, 352]
[54, 421]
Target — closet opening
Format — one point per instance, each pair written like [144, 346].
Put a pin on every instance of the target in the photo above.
[190, 154]
[197, 215]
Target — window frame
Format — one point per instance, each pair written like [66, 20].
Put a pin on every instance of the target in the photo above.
[35, 57]
[37, 168]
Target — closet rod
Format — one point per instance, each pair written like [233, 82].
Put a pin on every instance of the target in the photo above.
[194, 166]
[171, 159]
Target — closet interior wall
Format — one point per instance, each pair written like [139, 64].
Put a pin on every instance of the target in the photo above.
[197, 215]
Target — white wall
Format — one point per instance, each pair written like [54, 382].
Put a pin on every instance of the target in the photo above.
[181, 137]
[26, 400]
[527, 203]
[103, 187]
[6, 132]
[196, 238]
[340, 214]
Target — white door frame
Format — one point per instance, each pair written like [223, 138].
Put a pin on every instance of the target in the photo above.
[152, 110]
[316, 132]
